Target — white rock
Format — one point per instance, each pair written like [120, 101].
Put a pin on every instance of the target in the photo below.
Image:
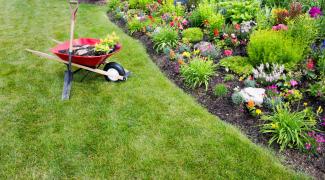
[253, 94]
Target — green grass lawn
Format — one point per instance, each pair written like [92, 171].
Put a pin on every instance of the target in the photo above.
[143, 128]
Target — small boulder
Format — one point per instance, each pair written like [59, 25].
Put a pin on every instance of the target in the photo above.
[253, 94]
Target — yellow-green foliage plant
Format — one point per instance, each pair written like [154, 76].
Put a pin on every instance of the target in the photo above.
[268, 46]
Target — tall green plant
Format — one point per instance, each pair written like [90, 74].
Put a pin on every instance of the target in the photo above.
[303, 30]
[287, 128]
[198, 72]
[166, 37]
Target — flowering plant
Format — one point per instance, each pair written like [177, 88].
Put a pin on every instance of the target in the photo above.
[269, 74]
[315, 12]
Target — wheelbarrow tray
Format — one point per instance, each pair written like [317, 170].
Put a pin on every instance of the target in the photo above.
[90, 61]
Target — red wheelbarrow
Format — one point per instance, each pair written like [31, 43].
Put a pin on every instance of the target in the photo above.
[112, 71]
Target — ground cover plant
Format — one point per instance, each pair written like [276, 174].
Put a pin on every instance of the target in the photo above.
[268, 53]
[144, 128]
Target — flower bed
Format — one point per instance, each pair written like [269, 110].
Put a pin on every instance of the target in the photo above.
[259, 68]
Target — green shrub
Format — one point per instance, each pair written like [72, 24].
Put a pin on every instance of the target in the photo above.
[134, 25]
[287, 128]
[139, 4]
[113, 4]
[178, 10]
[216, 22]
[166, 37]
[268, 46]
[321, 64]
[193, 34]
[303, 29]
[229, 77]
[201, 13]
[237, 64]
[197, 72]
[220, 90]
[237, 98]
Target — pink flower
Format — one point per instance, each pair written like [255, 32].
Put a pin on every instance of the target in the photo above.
[280, 27]
[290, 91]
[185, 22]
[293, 83]
[319, 149]
[228, 52]
[307, 146]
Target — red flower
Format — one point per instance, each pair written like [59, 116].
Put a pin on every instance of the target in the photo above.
[172, 24]
[237, 26]
[228, 52]
[310, 64]
[216, 32]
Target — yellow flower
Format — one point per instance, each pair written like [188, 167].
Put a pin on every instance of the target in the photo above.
[186, 54]
[319, 110]
[274, 126]
[241, 78]
[305, 104]
[258, 111]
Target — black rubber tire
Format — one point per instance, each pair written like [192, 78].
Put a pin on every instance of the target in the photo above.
[115, 66]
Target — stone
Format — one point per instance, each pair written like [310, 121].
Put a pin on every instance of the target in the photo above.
[253, 94]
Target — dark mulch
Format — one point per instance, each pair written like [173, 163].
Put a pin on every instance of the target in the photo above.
[224, 108]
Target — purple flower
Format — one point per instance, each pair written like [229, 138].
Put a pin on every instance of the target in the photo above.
[315, 12]
[293, 83]
[323, 123]
[319, 138]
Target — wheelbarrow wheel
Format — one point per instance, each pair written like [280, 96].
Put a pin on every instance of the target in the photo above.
[115, 70]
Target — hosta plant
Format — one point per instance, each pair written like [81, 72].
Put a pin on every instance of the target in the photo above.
[198, 72]
[288, 128]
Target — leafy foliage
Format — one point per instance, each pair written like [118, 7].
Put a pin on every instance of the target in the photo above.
[237, 98]
[287, 128]
[166, 37]
[192, 34]
[141, 4]
[134, 25]
[239, 11]
[198, 72]
[220, 90]
[303, 30]
[237, 64]
[201, 14]
[267, 46]
[107, 45]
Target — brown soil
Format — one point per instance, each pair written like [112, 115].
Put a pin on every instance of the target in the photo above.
[224, 108]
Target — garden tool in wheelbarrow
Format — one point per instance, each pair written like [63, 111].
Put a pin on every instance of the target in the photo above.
[112, 71]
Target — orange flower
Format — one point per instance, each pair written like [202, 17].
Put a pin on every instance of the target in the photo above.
[250, 104]
[180, 62]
